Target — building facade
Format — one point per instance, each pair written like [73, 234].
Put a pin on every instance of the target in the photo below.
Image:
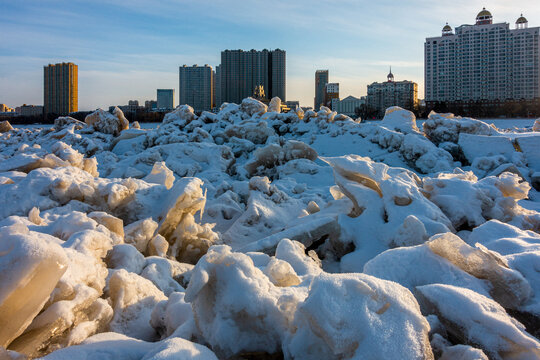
[483, 62]
[61, 89]
[381, 96]
[31, 110]
[165, 99]
[5, 109]
[348, 105]
[321, 79]
[331, 92]
[150, 105]
[196, 87]
[240, 72]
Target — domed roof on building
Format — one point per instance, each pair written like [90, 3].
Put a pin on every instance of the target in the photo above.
[521, 20]
[447, 27]
[484, 12]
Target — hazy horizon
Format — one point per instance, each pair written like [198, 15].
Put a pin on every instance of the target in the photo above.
[127, 49]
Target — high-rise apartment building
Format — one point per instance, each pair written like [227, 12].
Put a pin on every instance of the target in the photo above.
[321, 79]
[217, 87]
[242, 71]
[165, 99]
[381, 96]
[483, 62]
[60, 90]
[196, 87]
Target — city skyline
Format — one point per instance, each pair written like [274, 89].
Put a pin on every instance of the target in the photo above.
[130, 49]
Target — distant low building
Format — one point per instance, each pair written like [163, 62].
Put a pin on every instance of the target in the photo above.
[348, 105]
[381, 96]
[331, 92]
[165, 99]
[292, 104]
[150, 105]
[31, 110]
[5, 109]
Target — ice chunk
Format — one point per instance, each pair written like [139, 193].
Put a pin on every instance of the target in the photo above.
[158, 246]
[125, 256]
[469, 202]
[529, 146]
[474, 146]
[417, 265]
[106, 122]
[252, 106]
[281, 273]
[446, 351]
[272, 155]
[182, 115]
[441, 128]
[160, 175]
[398, 119]
[140, 233]
[275, 104]
[133, 299]
[112, 223]
[65, 121]
[357, 316]
[510, 289]
[173, 316]
[29, 271]
[474, 319]
[231, 324]
[118, 346]
[5, 126]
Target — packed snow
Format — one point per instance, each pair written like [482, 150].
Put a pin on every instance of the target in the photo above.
[256, 234]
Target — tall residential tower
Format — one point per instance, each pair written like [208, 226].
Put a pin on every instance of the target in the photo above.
[242, 71]
[321, 80]
[60, 88]
[196, 87]
[483, 62]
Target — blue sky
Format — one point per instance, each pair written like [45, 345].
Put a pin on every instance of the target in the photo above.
[127, 49]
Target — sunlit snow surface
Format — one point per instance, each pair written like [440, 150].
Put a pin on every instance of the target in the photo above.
[255, 234]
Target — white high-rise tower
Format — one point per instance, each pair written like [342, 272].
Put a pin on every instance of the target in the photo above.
[483, 62]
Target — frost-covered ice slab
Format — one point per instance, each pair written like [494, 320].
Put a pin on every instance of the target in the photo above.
[474, 146]
[475, 319]
[530, 146]
[357, 316]
[29, 271]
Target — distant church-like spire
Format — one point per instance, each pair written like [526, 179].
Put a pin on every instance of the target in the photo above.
[390, 75]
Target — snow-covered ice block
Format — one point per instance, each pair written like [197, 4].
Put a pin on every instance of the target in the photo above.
[255, 321]
[474, 146]
[253, 106]
[133, 299]
[357, 316]
[417, 265]
[530, 146]
[106, 122]
[398, 119]
[5, 126]
[441, 128]
[509, 288]
[479, 321]
[160, 174]
[30, 268]
[117, 346]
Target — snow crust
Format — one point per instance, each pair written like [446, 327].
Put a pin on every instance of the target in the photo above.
[252, 233]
